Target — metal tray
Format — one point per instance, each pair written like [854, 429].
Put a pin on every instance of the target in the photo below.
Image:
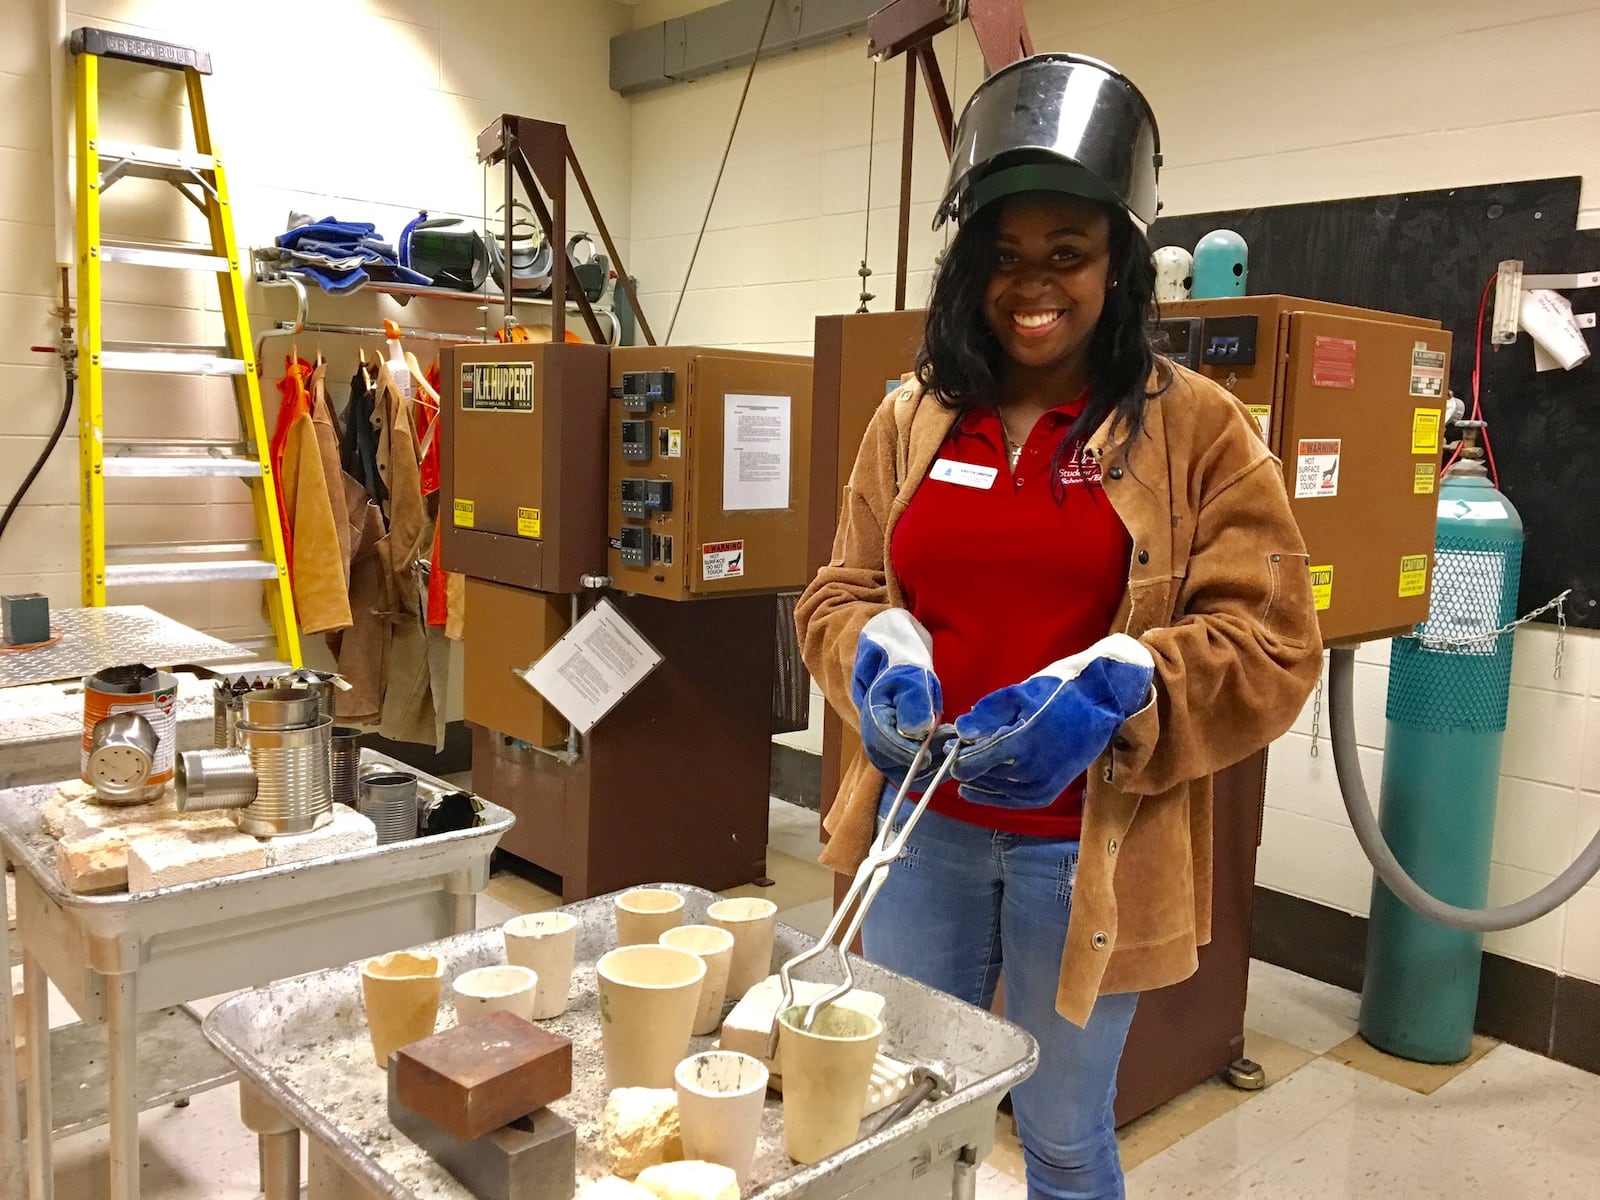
[241, 929]
[304, 1043]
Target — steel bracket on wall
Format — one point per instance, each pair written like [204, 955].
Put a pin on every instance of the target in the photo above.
[908, 27]
[539, 153]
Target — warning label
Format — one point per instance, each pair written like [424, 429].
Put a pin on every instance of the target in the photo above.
[1263, 415]
[1333, 363]
[1317, 469]
[1425, 431]
[528, 522]
[1423, 482]
[1427, 372]
[465, 513]
[1322, 586]
[721, 560]
[1413, 575]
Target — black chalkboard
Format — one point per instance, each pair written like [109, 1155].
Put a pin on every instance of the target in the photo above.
[1429, 254]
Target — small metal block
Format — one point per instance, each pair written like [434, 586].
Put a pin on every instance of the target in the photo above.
[26, 619]
[478, 1077]
[535, 1159]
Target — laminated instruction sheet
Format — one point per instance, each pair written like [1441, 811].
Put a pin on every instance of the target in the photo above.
[595, 664]
[757, 446]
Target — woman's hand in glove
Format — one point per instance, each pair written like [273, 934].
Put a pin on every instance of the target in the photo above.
[1026, 743]
[897, 694]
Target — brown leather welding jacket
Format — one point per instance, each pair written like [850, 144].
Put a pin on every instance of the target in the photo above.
[1218, 590]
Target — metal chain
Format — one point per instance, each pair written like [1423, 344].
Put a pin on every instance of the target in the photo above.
[1561, 634]
[1316, 714]
[1478, 639]
[866, 234]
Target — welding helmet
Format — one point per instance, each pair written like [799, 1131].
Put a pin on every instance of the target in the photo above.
[1055, 123]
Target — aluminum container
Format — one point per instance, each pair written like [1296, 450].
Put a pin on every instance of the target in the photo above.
[292, 767]
[346, 764]
[122, 750]
[214, 779]
[279, 708]
[319, 682]
[389, 800]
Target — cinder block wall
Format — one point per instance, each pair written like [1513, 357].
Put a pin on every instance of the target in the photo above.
[1260, 102]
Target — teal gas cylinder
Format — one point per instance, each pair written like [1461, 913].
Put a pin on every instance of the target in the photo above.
[1448, 691]
[1221, 266]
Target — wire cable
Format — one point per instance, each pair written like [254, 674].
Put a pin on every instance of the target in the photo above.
[726, 150]
[49, 449]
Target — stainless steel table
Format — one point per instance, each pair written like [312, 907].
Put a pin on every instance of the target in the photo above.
[116, 956]
[302, 1046]
[94, 638]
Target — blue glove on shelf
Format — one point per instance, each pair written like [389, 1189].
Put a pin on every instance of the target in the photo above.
[897, 694]
[1029, 741]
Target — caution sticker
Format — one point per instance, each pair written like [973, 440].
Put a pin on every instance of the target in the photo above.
[721, 560]
[1316, 470]
[1322, 586]
[1422, 483]
[1263, 415]
[1333, 363]
[1427, 372]
[674, 443]
[528, 522]
[1425, 431]
[465, 514]
[1413, 575]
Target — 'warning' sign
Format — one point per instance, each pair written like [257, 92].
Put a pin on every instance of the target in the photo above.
[1317, 469]
[721, 560]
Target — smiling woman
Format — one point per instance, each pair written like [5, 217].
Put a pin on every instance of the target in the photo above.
[1065, 545]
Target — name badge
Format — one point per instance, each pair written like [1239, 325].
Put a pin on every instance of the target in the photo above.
[964, 474]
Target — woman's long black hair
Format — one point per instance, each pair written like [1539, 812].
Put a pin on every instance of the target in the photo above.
[960, 359]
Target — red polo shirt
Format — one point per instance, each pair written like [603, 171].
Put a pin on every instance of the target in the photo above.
[1008, 579]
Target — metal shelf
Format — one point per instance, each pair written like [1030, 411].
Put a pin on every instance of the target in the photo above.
[175, 1062]
[270, 276]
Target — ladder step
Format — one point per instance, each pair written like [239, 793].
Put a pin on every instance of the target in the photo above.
[179, 551]
[152, 162]
[176, 258]
[178, 458]
[170, 362]
[134, 574]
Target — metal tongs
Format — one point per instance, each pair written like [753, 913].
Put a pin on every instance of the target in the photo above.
[864, 888]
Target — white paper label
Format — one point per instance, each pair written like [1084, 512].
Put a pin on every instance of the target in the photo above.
[1316, 470]
[721, 560]
[964, 474]
[1473, 510]
[1465, 603]
[757, 443]
[600, 660]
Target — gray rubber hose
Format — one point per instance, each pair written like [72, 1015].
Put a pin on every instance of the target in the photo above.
[1341, 716]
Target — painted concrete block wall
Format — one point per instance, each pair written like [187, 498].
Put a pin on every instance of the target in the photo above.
[1260, 102]
[365, 109]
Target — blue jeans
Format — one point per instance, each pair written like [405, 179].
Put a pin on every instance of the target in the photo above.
[957, 898]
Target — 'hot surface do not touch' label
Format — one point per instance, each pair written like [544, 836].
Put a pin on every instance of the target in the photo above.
[721, 560]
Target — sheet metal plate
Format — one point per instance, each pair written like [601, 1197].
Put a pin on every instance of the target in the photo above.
[95, 638]
[304, 1043]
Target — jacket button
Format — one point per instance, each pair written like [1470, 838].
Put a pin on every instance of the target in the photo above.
[1101, 941]
[1144, 557]
[1115, 472]
[1112, 847]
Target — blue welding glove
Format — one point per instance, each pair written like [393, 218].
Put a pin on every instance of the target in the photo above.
[897, 694]
[1029, 741]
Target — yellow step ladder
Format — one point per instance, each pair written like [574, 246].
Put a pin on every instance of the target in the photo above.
[197, 175]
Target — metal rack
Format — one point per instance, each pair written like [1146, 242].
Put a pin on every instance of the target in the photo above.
[272, 277]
